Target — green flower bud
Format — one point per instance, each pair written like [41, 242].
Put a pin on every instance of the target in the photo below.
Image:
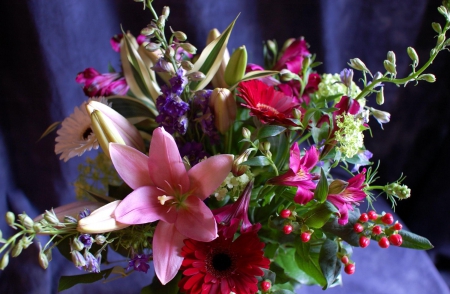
[433, 52]
[337, 186]
[235, 69]
[165, 12]
[436, 27]
[4, 262]
[273, 46]
[187, 65]
[188, 47]
[246, 133]
[413, 55]
[100, 239]
[148, 31]
[43, 261]
[77, 245]
[224, 107]
[196, 76]
[430, 78]
[390, 67]
[152, 47]
[442, 10]
[440, 40]
[26, 242]
[17, 249]
[391, 57]
[357, 64]
[297, 114]
[306, 62]
[180, 36]
[10, 218]
[26, 221]
[37, 227]
[51, 217]
[287, 75]
[237, 169]
[380, 96]
[266, 146]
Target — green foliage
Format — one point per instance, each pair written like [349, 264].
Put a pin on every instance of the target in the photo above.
[66, 282]
[157, 288]
[346, 231]
[329, 262]
[414, 241]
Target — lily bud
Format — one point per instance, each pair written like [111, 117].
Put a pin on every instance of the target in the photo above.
[237, 169]
[380, 96]
[218, 81]
[246, 133]
[337, 186]
[101, 220]
[430, 78]
[115, 126]
[152, 46]
[224, 107]
[235, 69]
[357, 64]
[413, 55]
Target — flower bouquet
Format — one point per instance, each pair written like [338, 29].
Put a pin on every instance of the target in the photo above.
[219, 172]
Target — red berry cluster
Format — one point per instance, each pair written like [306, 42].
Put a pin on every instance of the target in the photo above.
[349, 268]
[379, 227]
[306, 233]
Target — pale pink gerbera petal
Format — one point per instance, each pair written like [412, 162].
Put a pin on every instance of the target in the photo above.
[167, 244]
[142, 206]
[131, 165]
[207, 175]
[166, 168]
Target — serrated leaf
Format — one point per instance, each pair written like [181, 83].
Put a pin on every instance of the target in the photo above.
[321, 191]
[329, 262]
[270, 131]
[211, 57]
[157, 288]
[257, 161]
[346, 231]
[50, 129]
[414, 241]
[319, 216]
[66, 282]
[131, 107]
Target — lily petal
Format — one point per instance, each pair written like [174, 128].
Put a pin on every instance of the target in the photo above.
[196, 221]
[142, 206]
[131, 165]
[165, 166]
[207, 175]
[167, 244]
[101, 220]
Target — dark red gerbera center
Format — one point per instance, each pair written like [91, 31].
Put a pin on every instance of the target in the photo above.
[220, 262]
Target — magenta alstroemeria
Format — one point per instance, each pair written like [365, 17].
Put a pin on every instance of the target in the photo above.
[230, 216]
[299, 174]
[107, 84]
[165, 191]
[293, 56]
[351, 195]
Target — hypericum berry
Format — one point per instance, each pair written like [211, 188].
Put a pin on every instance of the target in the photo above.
[349, 269]
[305, 236]
[396, 239]
[265, 286]
[287, 229]
[363, 217]
[387, 218]
[384, 242]
[376, 230]
[397, 226]
[364, 241]
[358, 228]
[344, 259]
[372, 215]
[285, 213]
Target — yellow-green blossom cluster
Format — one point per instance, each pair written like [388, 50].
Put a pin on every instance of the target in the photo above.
[349, 135]
[94, 176]
[232, 186]
[331, 85]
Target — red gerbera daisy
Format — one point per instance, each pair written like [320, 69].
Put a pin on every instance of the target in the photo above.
[223, 266]
[266, 103]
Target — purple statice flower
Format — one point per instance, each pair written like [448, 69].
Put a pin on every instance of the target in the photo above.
[203, 114]
[92, 262]
[139, 262]
[84, 213]
[194, 152]
[172, 109]
[86, 239]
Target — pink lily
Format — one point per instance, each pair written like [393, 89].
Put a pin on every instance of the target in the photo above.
[350, 196]
[299, 174]
[165, 191]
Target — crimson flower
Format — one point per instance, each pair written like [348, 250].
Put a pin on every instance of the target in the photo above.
[299, 174]
[351, 195]
[292, 57]
[223, 266]
[267, 104]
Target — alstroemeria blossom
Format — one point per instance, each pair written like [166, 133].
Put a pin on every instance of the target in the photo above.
[165, 191]
[299, 174]
[351, 195]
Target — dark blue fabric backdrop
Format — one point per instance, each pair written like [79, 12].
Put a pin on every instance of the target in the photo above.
[46, 43]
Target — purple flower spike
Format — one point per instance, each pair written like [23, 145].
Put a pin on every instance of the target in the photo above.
[139, 262]
[86, 239]
[92, 263]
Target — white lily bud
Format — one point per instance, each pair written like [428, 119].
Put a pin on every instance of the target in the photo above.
[101, 220]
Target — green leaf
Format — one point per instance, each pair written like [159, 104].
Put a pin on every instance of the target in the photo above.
[282, 291]
[66, 282]
[255, 75]
[289, 268]
[257, 161]
[414, 241]
[211, 57]
[157, 288]
[308, 262]
[321, 191]
[50, 129]
[329, 262]
[270, 131]
[131, 107]
[346, 231]
[319, 216]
